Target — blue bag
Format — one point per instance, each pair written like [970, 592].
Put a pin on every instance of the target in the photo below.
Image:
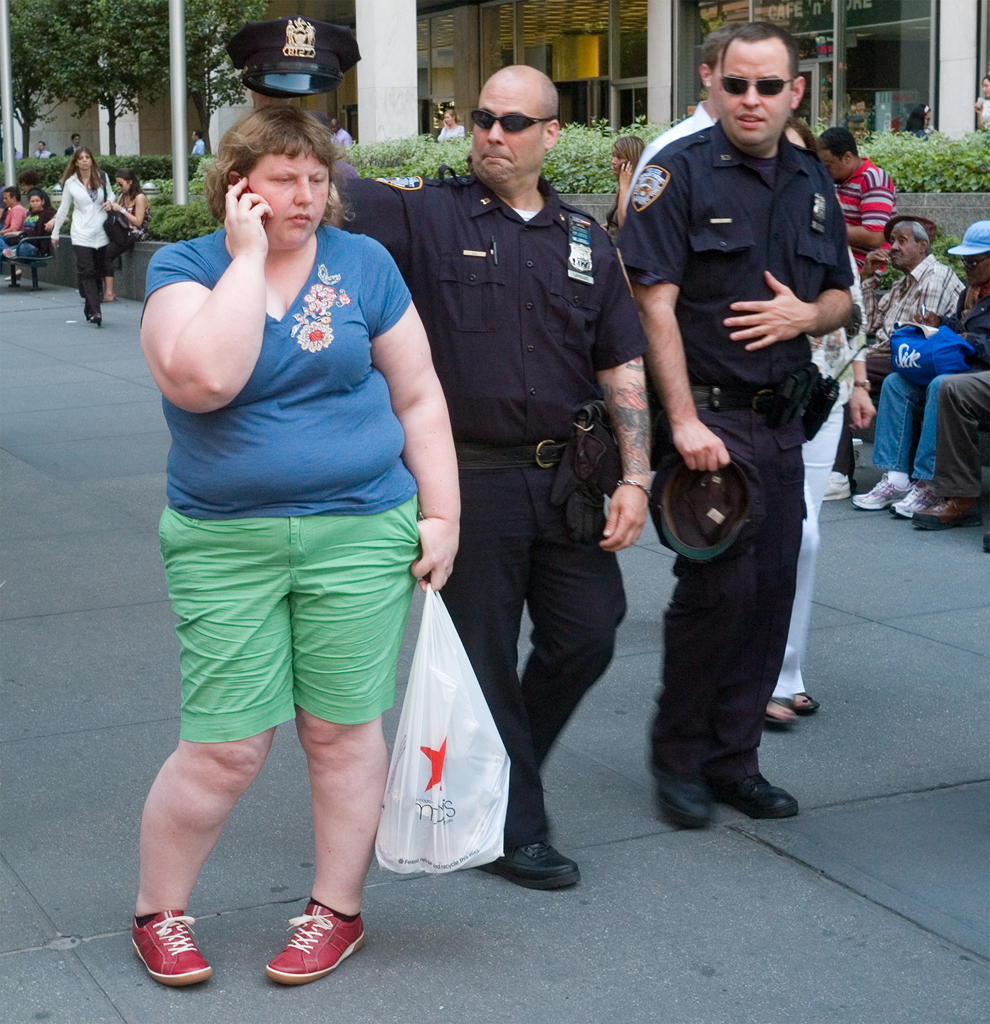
[921, 356]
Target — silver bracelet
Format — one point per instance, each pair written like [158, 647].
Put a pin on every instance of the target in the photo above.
[635, 483]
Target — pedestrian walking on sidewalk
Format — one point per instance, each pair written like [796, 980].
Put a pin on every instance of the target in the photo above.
[85, 190]
[309, 434]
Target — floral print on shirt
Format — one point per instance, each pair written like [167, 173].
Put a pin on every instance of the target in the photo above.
[313, 329]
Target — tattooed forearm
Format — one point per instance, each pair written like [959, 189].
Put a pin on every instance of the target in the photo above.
[624, 388]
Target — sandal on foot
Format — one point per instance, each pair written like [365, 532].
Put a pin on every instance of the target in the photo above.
[774, 716]
[802, 704]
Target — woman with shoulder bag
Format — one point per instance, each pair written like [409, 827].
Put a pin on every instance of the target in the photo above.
[85, 188]
[127, 223]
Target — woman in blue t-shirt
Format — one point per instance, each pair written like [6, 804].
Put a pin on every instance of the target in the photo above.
[311, 478]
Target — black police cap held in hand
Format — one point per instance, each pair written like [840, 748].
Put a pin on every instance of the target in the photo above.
[293, 56]
[703, 511]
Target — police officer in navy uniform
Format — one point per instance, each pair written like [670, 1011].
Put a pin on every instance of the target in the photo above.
[736, 248]
[528, 317]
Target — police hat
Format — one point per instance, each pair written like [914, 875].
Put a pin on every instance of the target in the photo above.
[929, 225]
[293, 56]
[703, 510]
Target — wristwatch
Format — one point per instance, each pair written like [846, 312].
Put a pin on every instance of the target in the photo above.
[863, 384]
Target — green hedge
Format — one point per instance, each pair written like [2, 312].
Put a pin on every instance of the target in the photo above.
[145, 167]
[938, 164]
[580, 162]
[170, 223]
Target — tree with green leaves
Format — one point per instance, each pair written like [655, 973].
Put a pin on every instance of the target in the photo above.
[211, 80]
[34, 48]
[114, 51]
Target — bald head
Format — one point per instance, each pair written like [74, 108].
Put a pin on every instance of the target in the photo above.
[524, 80]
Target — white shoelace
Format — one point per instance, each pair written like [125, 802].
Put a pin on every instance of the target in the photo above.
[176, 934]
[310, 927]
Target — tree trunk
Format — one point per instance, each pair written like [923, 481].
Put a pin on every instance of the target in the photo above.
[203, 113]
[25, 132]
[111, 106]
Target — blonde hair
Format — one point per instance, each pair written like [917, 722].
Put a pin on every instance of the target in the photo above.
[271, 131]
[629, 148]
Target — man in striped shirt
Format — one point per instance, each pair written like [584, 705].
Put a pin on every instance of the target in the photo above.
[866, 194]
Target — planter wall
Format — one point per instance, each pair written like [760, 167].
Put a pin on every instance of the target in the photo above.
[129, 276]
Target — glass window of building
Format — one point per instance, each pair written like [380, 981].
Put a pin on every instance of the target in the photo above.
[629, 19]
[568, 40]
[886, 44]
[888, 56]
[497, 38]
[435, 69]
[695, 19]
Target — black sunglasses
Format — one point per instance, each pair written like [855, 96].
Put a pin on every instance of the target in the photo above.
[764, 86]
[513, 123]
[972, 262]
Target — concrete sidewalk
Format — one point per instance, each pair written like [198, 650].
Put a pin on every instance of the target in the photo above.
[871, 905]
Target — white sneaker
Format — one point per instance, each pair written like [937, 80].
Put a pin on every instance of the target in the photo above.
[837, 487]
[919, 499]
[882, 495]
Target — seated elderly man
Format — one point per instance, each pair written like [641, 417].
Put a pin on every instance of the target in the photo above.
[927, 285]
[892, 446]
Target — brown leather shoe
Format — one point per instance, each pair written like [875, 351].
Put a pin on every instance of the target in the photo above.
[950, 512]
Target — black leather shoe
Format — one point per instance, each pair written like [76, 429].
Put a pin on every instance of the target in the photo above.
[535, 866]
[684, 799]
[757, 798]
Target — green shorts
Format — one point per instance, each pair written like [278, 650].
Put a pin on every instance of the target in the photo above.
[275, 613]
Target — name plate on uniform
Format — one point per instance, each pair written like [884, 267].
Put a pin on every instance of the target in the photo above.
[579, 262]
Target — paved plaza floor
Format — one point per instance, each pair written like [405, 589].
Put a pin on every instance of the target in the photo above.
[872, 905]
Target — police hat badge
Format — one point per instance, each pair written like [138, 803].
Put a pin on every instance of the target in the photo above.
[702, 512]
[293, 56]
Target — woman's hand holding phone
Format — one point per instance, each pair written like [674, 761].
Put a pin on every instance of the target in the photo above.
[246, 213]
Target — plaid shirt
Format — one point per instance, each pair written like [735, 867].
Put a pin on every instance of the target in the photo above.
[931, 284]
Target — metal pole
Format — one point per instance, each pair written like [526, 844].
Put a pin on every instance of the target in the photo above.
[7, 98]
[838, 63]
[177, 69]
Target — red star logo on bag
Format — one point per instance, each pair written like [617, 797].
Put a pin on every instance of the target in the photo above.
[436, 763]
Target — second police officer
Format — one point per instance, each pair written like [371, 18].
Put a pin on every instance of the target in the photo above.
[736, 247]
[528, 317]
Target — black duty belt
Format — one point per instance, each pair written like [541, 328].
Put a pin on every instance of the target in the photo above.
[472, 455]
[718, 399]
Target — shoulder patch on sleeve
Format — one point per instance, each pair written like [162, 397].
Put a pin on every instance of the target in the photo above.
[649, 185]
[408, 183]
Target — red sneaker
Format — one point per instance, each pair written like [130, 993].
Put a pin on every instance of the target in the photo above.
[165, 945]
[321, 941]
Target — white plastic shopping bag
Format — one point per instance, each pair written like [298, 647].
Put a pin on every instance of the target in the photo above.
[448, 782]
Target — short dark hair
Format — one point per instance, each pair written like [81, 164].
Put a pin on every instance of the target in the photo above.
[12, 190]
[76, 135]
[714, 45]
[838, 141]
[757, 31]
[198, 134]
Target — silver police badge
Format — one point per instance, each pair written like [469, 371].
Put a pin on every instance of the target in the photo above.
[649, 185]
